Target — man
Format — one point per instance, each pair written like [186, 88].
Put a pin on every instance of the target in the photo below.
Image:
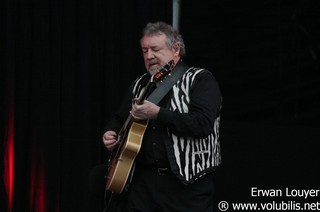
[180, 148]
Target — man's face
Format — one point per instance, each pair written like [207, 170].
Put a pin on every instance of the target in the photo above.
[156, 53]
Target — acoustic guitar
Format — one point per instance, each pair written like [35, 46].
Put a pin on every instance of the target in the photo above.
[129, 140]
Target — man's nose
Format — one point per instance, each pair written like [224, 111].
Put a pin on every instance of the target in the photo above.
[150, 54]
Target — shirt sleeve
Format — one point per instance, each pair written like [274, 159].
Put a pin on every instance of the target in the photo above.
[204, 107]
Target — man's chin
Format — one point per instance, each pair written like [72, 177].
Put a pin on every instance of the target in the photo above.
[153, 70]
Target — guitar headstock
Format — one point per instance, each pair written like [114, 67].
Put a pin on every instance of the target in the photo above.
[162, 72]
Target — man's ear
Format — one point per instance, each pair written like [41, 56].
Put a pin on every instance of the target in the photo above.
[177, 49]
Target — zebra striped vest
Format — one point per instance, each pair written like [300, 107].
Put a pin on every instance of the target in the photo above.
[190, 158]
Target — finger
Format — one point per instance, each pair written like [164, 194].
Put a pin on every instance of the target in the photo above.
[112, 133]
[135, 100]
[109, 135]
[112, 144]
[133, 114]
[109, 142]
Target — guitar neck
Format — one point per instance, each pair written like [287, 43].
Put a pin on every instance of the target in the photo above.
[145, 93]
[124, 128]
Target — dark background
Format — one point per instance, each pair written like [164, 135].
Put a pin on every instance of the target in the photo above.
[65, 64]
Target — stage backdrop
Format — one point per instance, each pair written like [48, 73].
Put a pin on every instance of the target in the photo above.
[64, 66]
[265, 54]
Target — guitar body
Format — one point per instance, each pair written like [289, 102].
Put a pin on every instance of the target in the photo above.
[120, 166]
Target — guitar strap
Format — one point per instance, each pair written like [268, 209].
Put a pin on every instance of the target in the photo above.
[176, 73]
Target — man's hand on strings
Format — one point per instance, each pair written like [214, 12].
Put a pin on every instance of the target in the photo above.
[144, 111]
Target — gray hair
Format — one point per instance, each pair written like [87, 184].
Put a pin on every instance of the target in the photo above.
[173, 36]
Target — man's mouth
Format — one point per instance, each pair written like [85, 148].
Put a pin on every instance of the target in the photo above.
[153, 66]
